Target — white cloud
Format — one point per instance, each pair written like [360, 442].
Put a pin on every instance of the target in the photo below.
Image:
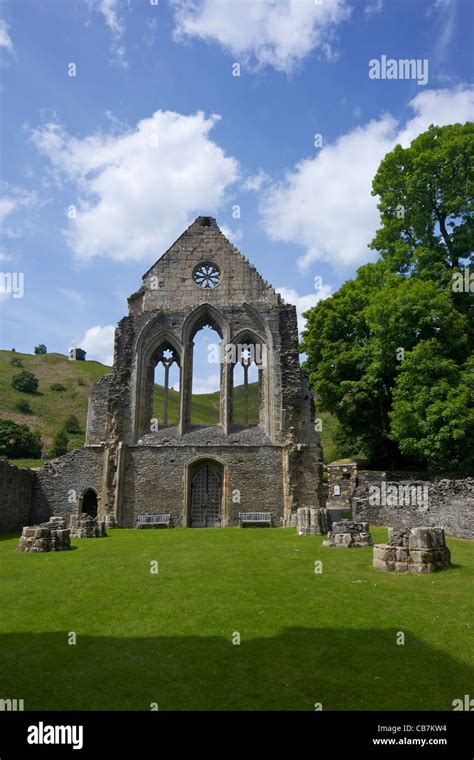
[256, 182]
[109, 9]
[5, 39]
[325, 204]
[373, 8]
[139, 189]
[278, 34]
[98, 342]
[208, 384]
[12, 200]
[234, 236]
[303, 303]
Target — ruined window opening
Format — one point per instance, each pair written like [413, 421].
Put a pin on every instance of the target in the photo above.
[206, 378]
[166, 388]
[247, 384]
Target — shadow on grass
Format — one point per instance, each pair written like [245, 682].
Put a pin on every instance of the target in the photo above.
[342, 669]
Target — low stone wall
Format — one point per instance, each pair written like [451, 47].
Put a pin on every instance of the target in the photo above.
[408, 500]
[16, 493]
[59, 485]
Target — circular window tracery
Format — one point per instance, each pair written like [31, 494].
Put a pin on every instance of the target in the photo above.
[207, 275]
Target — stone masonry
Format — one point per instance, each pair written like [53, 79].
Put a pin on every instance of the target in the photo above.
[347, 535]
[312, 522]
[415, 550]
[203, 476]
[47, 537]
[85, 526]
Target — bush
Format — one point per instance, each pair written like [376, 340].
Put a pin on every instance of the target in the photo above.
[57, 387]
[18, 442]
[41, 349]
[72, 424]
[15, 361]
[24, 406]
[25, 381]
[60, 443]
[81, 382]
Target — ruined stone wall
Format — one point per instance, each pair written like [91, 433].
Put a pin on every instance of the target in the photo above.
[155, 480]
[16, 493]
[97, 411]
[169, 283]
[77, 471]
[449, 503]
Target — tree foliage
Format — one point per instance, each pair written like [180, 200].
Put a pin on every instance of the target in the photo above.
[17, 441]
[390, 354]
[59, 444]
[72, 424]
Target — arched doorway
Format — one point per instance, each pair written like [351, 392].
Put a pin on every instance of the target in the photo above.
[206, 495]
[89, 502]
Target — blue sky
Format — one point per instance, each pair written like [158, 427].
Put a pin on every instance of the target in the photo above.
[154, 129]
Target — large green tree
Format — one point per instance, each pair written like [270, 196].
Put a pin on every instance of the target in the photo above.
[426, 202]
[363, 343]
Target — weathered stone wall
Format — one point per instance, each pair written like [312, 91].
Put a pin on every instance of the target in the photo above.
[16, 493]
[97, 411]
[449, 502]
[168, 309]
[155, 481]
[56, 483]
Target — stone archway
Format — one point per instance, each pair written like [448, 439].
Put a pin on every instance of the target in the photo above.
[90, 504]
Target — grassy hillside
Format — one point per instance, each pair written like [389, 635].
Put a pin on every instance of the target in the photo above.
[50, 408]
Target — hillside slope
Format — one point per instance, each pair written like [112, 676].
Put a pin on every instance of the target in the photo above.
[50, 408]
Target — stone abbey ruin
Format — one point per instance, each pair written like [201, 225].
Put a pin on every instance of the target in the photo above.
[136, 470]
[134, 465]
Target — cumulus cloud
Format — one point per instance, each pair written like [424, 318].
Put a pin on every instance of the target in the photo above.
[138, 189]
[303, 303]
[5, 39]
[98, 342]
[278, 34]
[325, 204]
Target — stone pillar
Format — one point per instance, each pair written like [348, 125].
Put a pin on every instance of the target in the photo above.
[119, 483]
[227, 374]
[186, 387]
[165, 393]
[104, 493]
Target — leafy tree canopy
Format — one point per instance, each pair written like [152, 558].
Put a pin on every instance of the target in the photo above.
[390, 352]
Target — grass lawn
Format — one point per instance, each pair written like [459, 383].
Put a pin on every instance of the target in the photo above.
[167, 638]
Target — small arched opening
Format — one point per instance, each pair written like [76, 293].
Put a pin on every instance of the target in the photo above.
[90, 503]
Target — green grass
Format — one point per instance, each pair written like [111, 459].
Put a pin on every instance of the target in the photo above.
[29, 462]
[167, 638]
